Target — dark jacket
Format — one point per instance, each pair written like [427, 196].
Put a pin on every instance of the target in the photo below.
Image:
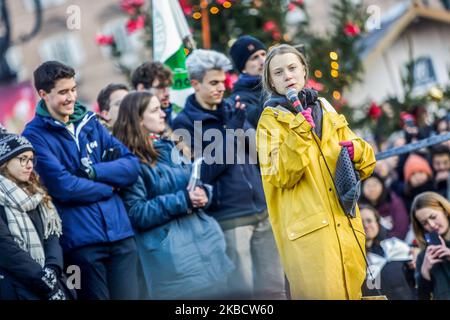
[91, 210]
[249, 89]
[183, 255]
[238, 188]
[17, 264]
[439, 286]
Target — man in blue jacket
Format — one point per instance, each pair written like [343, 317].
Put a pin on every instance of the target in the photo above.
[82, 166]
[238, 203]
[248, 55]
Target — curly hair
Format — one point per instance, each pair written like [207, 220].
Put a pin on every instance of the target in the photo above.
[148, 72]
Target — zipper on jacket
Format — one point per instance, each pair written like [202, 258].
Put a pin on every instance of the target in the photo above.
[78, 130]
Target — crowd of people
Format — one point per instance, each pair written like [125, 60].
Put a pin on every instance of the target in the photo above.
[117, 196]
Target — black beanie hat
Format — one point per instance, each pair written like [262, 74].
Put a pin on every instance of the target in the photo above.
[12, 145]
[243, 48]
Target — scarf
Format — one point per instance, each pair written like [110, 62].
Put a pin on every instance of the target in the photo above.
[308, 98]
[17, 203]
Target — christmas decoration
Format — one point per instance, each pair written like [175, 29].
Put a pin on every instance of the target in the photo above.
[351, 29]
[135, 24]
[104, 40]
[375, 111]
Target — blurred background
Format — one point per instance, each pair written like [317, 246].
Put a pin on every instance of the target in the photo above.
[372, 59]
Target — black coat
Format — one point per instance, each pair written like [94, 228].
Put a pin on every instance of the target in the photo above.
[249, 90]
[439, 286]
[238, 190]
[17, 266]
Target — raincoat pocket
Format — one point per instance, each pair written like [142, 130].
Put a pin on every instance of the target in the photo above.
[307, 225]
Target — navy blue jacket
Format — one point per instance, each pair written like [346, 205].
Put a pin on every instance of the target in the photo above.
[238, 188]
[91, 211]
[249, 89]
[183, 255]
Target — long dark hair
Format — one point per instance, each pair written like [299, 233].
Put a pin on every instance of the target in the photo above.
[128, 127]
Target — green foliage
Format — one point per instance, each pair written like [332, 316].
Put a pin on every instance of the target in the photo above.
[243, 17]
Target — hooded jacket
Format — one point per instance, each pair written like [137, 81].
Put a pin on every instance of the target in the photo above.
[91, 210]
[320, 247]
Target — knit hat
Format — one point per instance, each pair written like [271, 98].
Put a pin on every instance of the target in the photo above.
[243, 48]
[414, 164]
[12, 145]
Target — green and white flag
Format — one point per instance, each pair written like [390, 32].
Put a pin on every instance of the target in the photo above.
[169, 30]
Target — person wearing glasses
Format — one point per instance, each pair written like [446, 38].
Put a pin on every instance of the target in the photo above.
[158, 79]
[83, 167]
[31, 258]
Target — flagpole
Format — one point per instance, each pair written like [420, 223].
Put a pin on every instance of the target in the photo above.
[206, 34]
[150, 8]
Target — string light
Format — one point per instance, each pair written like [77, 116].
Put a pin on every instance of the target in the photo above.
[335, 65]
[334, 73]
[333, 55]
[318, 74]
[227, 4]
[197, 15]
[214, 10]
[336, 95]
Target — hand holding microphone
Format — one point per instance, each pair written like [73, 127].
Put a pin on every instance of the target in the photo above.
[292, 96]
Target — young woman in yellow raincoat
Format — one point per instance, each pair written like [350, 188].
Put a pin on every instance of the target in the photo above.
[322, 250]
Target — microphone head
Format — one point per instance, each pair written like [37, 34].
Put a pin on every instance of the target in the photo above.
[292, 94]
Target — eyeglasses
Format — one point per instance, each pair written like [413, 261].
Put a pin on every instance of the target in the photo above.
[25, 160]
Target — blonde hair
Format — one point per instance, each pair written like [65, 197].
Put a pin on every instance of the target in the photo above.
[275, 51]
[430, 200]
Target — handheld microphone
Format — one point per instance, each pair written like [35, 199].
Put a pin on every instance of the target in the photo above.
[292, 96]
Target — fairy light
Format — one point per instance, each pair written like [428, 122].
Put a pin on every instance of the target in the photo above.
[318, 74]
[214, 10]
[333, 55]
[336, 95]
[334, 73]
[227, 4]
[335, 65]
[197, 15]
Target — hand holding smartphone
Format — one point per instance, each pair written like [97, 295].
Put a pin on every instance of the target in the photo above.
[432, 238]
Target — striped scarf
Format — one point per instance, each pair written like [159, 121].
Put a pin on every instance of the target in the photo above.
[17, 203]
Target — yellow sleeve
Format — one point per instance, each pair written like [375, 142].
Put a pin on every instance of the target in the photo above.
[283, 154]
[364, 157]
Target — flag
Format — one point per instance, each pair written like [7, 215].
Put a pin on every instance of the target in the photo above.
[169, 30]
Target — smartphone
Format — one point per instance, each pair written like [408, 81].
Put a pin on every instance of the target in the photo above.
[432, 238]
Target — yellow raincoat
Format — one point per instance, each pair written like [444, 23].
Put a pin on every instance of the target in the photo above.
[317, 245]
